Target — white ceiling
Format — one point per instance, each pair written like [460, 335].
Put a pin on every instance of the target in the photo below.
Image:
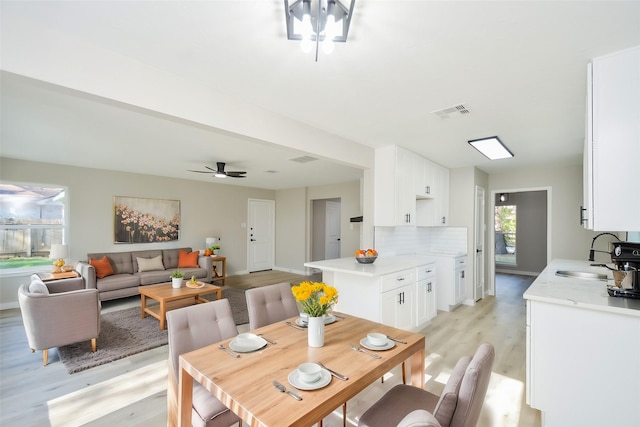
[519, 67]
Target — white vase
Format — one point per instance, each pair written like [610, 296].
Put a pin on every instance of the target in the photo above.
[176, 282]
[316, 331]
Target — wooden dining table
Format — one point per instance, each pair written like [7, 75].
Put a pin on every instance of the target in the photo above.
[245, 384]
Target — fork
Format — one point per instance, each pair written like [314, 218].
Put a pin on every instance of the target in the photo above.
[356, 348]
[221, 347]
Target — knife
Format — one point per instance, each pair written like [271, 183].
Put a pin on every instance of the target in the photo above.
[294, 326]
[396, 340]
[282, 389]
[334, 373]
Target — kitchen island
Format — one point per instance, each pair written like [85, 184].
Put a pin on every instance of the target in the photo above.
[398, 291]
[583, 349]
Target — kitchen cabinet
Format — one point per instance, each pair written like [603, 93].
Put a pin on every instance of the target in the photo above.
[394, 198]
[451, 276]
[612, 143]
[409, 189]
[386, 291]
[434, 210]
[582, 350]
[425, 294]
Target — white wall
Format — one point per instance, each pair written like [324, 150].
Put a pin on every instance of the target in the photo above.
[291, 220]
[568, 239]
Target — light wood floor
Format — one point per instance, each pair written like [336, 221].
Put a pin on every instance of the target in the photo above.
[132, 391]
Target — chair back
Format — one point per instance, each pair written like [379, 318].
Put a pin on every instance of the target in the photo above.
[473, 387]
[270, 304]
[197, 326]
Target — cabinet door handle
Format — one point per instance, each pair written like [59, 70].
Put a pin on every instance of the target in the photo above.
[444, 219]
[400, 279]
[583, 218]
[462, 274]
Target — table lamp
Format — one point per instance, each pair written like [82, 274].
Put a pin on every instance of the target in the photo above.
[58, 254]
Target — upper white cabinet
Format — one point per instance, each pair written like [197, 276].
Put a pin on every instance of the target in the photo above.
[409, 189]
[612, 145]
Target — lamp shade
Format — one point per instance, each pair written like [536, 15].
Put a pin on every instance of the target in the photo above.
[59, 251]
[210, 241]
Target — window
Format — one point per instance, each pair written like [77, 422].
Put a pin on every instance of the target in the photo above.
[31, 220]
[505, 224]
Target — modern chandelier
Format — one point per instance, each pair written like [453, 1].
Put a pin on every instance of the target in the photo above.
[318, 22]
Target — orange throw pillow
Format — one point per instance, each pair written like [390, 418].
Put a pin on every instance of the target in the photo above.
[186, 259]
[102, 266]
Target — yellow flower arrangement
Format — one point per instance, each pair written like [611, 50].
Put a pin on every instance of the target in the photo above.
[316, 298]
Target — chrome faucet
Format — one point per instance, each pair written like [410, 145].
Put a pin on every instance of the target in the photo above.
[592, 251]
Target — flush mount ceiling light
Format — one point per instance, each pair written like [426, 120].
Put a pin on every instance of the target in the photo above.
[491, 147]
[504, 197]
[315, 21]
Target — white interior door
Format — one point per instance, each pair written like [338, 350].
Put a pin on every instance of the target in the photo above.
[332, 230]
[261, 235]
[480, 228]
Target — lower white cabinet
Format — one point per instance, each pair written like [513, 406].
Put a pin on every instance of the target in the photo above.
[396, 307]
[582, 365]
[451, 275]
[425, 294]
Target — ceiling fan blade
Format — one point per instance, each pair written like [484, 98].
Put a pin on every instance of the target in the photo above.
[211, 169]
[199, 171]
[236, 174]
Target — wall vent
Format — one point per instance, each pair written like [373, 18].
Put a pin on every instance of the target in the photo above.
[455, 111]
[303, 159]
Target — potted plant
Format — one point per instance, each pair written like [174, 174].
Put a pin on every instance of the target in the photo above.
[215, 249]
[176, 278]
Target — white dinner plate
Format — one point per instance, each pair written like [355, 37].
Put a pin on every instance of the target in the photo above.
[294, 380]
[253, 343]
[365, 343]
[328, 319]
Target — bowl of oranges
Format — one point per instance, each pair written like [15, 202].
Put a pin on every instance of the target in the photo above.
[366, 256]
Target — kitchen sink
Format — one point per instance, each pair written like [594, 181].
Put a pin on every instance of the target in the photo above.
[581, 275]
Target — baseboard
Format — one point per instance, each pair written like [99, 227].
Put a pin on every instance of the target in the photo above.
[290, 270]
[9, 305]
[469, 301]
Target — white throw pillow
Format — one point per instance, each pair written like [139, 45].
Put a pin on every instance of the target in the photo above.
[38, 287]
[150, 264]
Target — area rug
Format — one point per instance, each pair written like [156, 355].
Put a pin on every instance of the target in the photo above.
[124, 333]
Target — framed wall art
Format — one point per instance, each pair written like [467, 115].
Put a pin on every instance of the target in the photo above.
[139, 220]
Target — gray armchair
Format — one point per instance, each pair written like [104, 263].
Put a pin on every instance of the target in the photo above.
[59, 312]
[458, 406]
[270, 304]
[191, 328]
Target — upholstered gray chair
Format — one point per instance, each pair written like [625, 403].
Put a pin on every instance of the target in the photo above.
[191, 328]
[270, 304]
[59, 312]
[458, 406]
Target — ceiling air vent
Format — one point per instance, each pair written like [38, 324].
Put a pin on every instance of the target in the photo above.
[451, 112]
[303, 159]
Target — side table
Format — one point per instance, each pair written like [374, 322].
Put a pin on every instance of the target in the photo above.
[57, 276]
[223, 261]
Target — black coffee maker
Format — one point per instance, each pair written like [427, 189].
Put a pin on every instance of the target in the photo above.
[626, 257]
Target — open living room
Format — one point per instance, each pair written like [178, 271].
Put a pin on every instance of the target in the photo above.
[318, 212]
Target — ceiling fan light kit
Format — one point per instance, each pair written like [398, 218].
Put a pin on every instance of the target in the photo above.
[315, 21]
[220, 172]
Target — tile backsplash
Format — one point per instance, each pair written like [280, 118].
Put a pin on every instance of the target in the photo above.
[407, 240]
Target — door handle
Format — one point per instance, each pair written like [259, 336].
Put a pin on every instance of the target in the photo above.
[253, 240]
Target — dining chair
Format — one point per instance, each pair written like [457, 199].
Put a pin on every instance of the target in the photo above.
[270, 304]
[458, 406]
[191, 328]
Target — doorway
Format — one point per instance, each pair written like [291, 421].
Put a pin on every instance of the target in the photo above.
[520, 232]
[326, 231]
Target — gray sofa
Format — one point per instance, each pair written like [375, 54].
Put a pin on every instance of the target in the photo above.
[126, 275]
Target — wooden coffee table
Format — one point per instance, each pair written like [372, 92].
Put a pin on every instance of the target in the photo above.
[170, 298]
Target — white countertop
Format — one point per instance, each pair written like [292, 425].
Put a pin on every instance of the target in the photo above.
[576, 292]
[382, 265]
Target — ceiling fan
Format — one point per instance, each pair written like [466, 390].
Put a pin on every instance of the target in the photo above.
[220, 172]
